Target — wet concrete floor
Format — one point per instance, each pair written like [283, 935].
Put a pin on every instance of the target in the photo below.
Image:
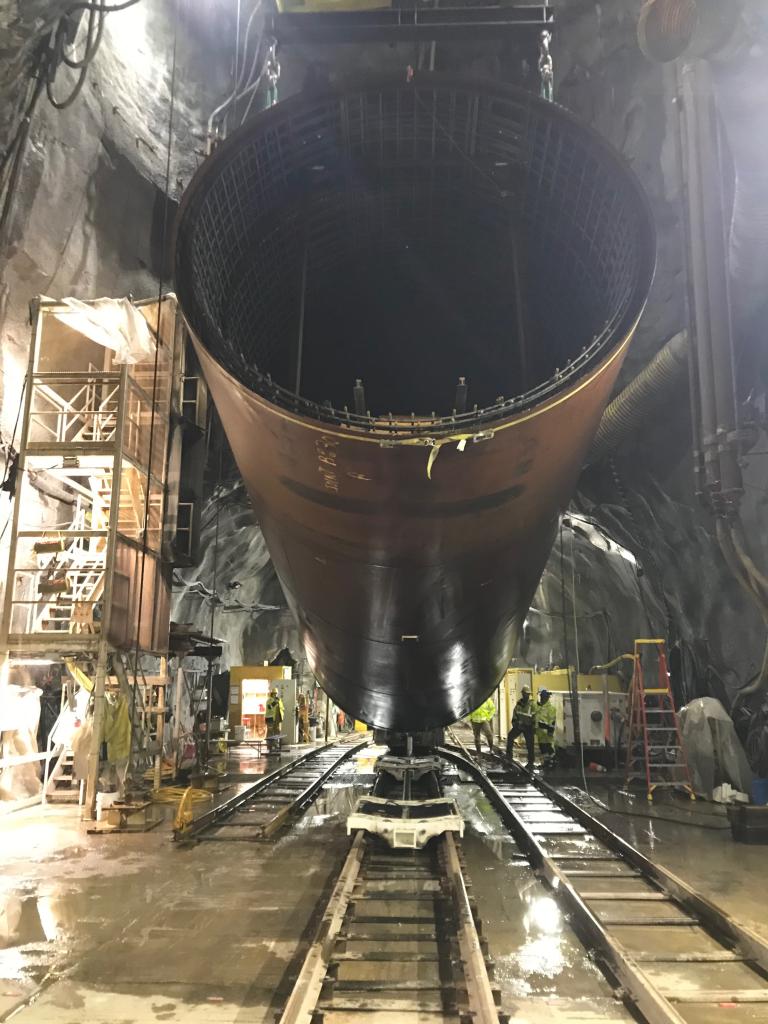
[132, 929]
[730, 874]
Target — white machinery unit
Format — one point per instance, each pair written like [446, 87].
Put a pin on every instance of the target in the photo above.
[603, 707]
[600, 717]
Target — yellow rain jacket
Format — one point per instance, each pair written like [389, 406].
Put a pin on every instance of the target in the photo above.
[484, 713]
[117, 729]
[546, 717]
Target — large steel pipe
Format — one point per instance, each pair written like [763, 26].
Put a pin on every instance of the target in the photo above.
[408, 234]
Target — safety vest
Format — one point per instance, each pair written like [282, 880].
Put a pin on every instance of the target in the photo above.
[484, 713]
[546, 718]
[524, 714]
[275, 708]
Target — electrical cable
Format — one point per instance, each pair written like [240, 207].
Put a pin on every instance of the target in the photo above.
[245, 83]
[660, 817]
[254, 89]
[209, 681]
[242, 77]
[16, 163]
[15, 425]
[155, 370]
[50, 57]
[573, 685]
[9, 461]
[28, 111]
[76, 90]
[173, 794]
[236, 75]
[91, 45]
[84, 5]
[249, 78]
[57, 56]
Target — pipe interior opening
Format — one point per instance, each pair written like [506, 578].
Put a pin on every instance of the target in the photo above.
[410, 236]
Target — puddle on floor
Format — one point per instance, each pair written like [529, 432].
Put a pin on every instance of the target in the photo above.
[536, 953]
[25, 919]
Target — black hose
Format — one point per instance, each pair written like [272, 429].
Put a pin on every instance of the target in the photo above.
[91, 45]
[101, 8]
[49, 59]
[58, 56]
[63, 104]
[625, 814]
[661, 817]
[18, 160]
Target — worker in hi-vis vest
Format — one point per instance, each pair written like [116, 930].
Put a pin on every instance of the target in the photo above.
[275, 713]
[546, 719]
[523, 724]
[480, 720]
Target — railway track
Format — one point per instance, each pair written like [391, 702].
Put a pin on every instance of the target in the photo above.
[398, 943]
[399, 939]
[259, 810]
[673, 956]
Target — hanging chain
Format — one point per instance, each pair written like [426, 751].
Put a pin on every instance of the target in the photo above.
[546, 67]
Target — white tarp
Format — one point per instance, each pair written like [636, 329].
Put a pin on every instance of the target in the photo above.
[712, 747]
[114, 323]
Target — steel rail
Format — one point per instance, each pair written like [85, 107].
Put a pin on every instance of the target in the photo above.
[623, 968]
[748, 942]
[479, 992]
[306, 992]
[303, 1002]
[229, 807]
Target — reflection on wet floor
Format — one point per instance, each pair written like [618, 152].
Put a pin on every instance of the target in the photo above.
[121, 926]
[542, 969]
[704, 857]
[25, 919]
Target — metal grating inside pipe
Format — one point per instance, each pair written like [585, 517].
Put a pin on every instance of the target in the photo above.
[409, 235]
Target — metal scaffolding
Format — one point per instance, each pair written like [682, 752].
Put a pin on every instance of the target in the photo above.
[94, 517]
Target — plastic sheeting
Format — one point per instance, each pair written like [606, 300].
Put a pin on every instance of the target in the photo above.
[114, 323]
[81, 748]
[757, 739]
[714, 752]
[20, 713]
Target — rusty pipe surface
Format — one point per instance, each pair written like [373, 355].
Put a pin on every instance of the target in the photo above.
[409, 536]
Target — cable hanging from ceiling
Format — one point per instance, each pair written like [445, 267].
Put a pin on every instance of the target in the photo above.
[55, 50]
[247, 75]
[154, 390]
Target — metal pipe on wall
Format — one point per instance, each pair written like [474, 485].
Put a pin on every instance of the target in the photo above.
[698, 141]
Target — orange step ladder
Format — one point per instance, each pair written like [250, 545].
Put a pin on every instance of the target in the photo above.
[655, 751]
